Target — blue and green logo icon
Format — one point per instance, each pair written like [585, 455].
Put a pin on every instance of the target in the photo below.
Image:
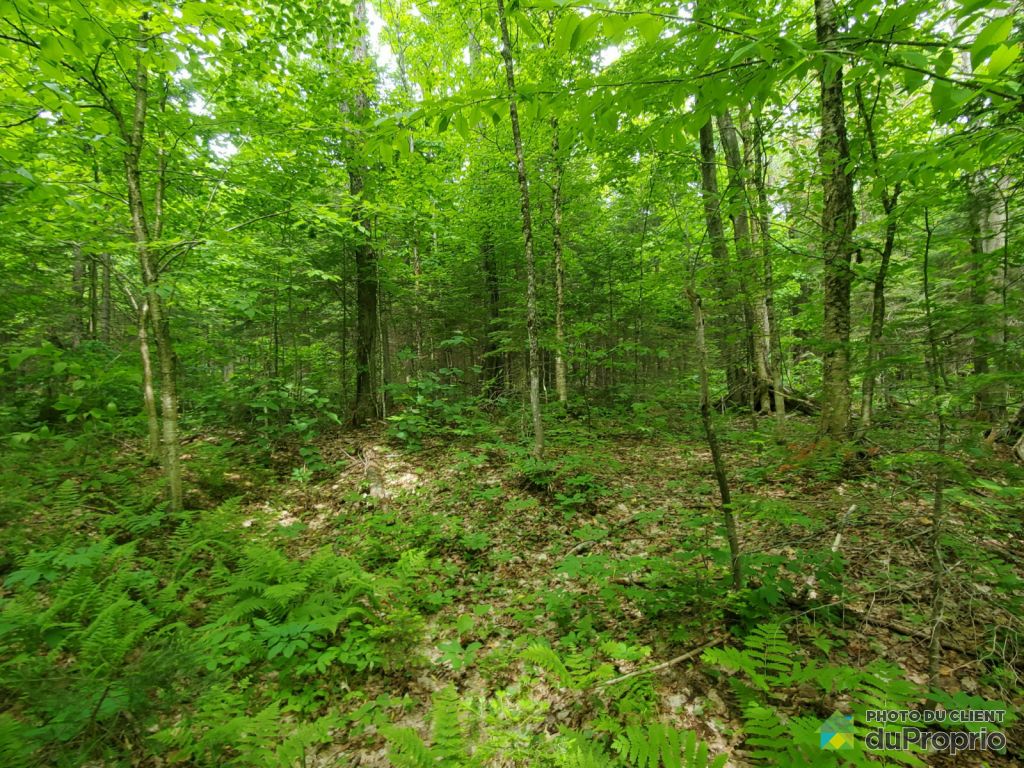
[837, 732]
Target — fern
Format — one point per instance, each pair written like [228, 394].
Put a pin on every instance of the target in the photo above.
[769, 664]
[325, 610]
[544, 657]
[576, 671]
[449, 745]
[662, 745]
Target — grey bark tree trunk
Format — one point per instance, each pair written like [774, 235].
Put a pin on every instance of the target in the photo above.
[148, 395]
[493, 369]
[148, 391]
[531, 277]
[77, 291]
[561, 385]
[728, 517]
[987, 237]
[94, 299]
[839, 219]
[105, 311]
[764, 229]
[134, 139]
[712, 203]
[739, 215]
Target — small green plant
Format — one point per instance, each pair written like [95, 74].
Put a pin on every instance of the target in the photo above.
[324, 611]
[769, 664]
[448, 746]
[433, 405]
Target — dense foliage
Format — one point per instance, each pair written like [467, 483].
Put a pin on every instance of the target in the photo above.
[395, 383]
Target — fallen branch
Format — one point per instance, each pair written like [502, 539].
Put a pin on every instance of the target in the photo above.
[666, 664]
[903, 629]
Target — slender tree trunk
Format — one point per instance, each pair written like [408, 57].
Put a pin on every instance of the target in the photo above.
[105, 316]
[493, 369]
[148, 395]
[556, 203]
[367, 289]
[736, 565]
[889, 201]
[94, 303]
[531, 277]
[77, 292]
[938, 512]
[767, 302]
[720, 260]
[839, 218]
[150, 279]
[417, 277]
[343, 351]
[987, 238]
[738, 213]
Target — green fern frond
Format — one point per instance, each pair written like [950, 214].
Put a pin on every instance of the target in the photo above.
[446, 731]
[662, 746]
[408, 750]
[545, 658]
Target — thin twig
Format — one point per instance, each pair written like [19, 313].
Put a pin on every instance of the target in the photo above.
[666, 664]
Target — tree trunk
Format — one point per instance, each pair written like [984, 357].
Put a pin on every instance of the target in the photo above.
[767, 303]
[938, 488]
[561, 385]
[418, 314]
[839, 219]
[94, 304]
[987, 237]
[493, 369]
[77, 293]
[738, 213]
[150, 279]
[366, 406]
[105, 315]
[531, 278]
[889, 201]
[720, 260]
[148, 396]
[728, 518]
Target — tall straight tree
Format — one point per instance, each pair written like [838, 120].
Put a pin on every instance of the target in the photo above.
[366, 405]
[132, 127]
[739, 215]
[556, 242]
[524, 198]
[839, 218]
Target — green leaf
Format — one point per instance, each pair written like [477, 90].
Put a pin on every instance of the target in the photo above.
[1003, 57]
[650, 27]
[994, 33]
[565, 30]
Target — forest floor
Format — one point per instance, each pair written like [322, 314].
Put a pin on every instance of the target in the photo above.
[610, 553]
[615, 543]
